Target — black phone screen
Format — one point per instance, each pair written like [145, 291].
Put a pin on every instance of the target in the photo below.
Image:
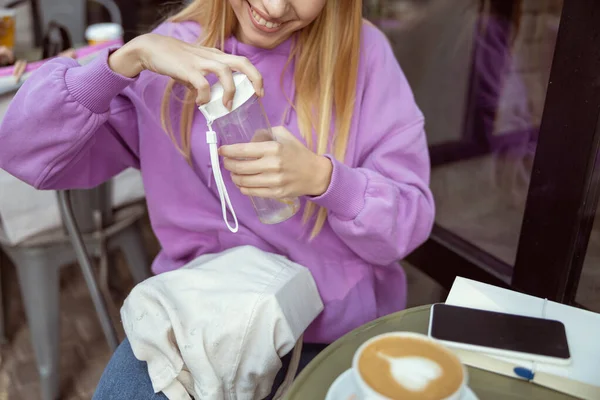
[529, 335]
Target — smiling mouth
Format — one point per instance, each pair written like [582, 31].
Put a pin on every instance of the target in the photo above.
[261, 23]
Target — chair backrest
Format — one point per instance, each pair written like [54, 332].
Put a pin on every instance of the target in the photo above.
[56, 40]
[69, 13]
[113, 10]
[73, 15]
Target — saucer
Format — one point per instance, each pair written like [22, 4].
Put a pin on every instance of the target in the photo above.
[344, 388]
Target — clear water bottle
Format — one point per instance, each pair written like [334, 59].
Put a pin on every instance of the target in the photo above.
[246, 122]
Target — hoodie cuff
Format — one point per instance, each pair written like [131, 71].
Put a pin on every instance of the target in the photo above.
[345, 195]
[95, 85]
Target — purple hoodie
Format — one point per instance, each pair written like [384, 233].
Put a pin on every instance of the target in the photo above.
[74, 126]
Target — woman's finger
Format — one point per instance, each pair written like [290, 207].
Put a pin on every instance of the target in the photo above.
[243, 65]
[268, 193]
[6, 55]
[251, 150]
[213, 50]
[225, 76]
[19, 71]
[251, 167]
[202, 87]
[258, 181]
[69, 53]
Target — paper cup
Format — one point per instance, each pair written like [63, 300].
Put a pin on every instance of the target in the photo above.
[102, 33]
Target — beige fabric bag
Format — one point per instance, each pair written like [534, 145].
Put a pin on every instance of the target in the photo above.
[217, 328]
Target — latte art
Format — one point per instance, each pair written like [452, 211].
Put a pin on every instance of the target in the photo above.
[414, 373]
[406, 368]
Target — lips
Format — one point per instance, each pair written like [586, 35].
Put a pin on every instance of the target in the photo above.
[261, 23]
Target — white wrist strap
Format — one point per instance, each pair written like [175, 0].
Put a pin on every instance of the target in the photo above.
[211, 139]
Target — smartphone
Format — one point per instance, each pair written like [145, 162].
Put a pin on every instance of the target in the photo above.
[507, 335]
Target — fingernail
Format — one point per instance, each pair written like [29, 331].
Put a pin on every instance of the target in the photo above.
[229, 105]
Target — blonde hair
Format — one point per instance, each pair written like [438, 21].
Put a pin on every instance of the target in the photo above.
[325, 56]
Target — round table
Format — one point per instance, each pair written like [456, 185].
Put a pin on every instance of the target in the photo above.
[316, 378]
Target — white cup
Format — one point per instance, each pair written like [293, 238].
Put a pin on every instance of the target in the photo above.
[367, 393]
[102, 33]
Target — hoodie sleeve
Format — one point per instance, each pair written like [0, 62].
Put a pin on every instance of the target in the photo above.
[383, 208]
[70, 126]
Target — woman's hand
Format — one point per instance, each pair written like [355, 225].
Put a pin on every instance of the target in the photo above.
[186, 63]
[281, 169]
[6, 56]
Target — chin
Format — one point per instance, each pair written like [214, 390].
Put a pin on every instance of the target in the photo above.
[262, 42]
[256, 39]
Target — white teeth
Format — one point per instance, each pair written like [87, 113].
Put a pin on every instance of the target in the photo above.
[262, 21]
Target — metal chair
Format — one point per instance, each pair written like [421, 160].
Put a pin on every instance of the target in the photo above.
[38, 262]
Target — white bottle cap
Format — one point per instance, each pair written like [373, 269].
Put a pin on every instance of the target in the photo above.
[215, 109]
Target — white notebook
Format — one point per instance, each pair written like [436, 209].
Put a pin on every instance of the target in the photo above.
[582, 327]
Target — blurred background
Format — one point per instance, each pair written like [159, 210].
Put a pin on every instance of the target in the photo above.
[513, 173]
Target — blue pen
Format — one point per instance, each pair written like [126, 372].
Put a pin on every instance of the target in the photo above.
[524, 373]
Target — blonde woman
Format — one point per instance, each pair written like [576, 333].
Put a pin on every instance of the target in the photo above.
[350, 144]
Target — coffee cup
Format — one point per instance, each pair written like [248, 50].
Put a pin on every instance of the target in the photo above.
[102, 33]
[407, 366]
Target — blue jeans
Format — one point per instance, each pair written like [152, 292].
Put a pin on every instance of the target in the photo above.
[126, 378]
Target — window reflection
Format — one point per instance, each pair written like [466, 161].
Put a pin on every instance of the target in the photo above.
[479, 70]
